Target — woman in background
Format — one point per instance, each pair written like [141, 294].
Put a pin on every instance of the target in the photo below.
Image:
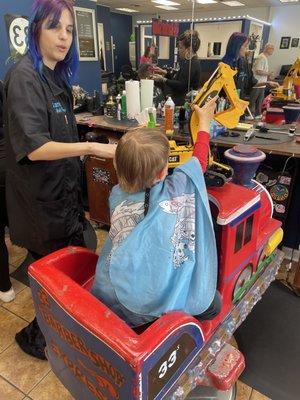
[188, 76]
[235, 56]
[146, 58]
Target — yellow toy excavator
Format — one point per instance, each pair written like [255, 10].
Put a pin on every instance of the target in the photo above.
[222, 79]
[285, 92]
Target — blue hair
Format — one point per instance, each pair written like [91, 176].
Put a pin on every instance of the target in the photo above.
[41, 10]
[235, 42]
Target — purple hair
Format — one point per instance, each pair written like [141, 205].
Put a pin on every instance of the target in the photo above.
[41, 10]
[235, 42]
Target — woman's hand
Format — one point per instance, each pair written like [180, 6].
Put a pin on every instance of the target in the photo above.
[159, 71]
[103, 150]
[205, 114]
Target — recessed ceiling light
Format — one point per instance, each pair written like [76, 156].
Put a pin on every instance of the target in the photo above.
[289, 1]
[168, 8]
[129, 10]
[233, 3]
[206, 1]
[165, 2]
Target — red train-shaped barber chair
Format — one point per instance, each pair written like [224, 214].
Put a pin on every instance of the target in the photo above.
[96, 355]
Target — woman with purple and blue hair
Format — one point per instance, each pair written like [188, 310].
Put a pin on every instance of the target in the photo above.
[235, 57]
[65, 57]
[236, 48]
[42, 149]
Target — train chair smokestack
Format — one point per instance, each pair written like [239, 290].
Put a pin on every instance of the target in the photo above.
[245, 160]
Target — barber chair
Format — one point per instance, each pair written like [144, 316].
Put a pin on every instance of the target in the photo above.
[96, 355]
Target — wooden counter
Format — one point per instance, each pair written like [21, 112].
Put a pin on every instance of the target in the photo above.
[102, 123]
[288, 149]
[284, 149]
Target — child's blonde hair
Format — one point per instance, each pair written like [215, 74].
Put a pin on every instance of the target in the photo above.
[140, 156]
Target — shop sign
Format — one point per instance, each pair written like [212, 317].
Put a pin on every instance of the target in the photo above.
[164, 28]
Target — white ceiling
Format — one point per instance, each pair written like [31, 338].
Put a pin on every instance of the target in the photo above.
[146, 7]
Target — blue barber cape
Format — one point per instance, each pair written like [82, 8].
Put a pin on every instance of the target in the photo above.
[165, 261]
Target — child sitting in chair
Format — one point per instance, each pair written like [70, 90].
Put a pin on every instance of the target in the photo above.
[160, 254]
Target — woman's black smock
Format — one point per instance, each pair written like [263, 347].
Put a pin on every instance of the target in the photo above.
[43, 197]
[177, 87]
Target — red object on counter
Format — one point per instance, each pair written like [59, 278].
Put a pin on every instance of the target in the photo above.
[274, 115]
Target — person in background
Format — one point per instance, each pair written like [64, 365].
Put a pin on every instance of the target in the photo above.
[262, 74]
[7, 293]
[146, 58]
[43, 174]
[145, 71]
[186, 78]
[235, 57]
[160, 226]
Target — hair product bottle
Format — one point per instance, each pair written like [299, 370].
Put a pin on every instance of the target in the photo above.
[169, 116]
[123, 105]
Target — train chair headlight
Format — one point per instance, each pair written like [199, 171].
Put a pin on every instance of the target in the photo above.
[274, 241]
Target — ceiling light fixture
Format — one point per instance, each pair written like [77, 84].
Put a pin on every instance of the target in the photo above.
[227, 18]
[258, 20]
[168, 8]
[233, 3]
[206, 1]
[165, 2]
[129, 10]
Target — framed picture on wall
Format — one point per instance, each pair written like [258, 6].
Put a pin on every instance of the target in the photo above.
[295, 42]
[86, 34]
[285, 42]
[101, 41]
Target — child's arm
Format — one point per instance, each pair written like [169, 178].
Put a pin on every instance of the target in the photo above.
[201, 149]
[205, 115]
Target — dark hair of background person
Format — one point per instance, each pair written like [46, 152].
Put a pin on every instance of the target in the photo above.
[232, 54]
[188, 38]
[147, 51]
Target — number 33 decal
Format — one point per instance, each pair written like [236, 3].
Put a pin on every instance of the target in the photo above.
[18, 32]
[167, 364]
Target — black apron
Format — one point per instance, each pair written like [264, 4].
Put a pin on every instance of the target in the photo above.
[43, 197]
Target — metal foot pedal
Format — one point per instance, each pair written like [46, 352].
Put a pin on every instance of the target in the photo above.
[227, 367]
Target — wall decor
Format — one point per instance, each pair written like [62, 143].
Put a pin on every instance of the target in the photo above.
[86, 34]
[17, 32]
[255, 37]
[295, 42]
[285, 42]
[101, 42]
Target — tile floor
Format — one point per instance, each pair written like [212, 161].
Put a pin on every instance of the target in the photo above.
[24, 378]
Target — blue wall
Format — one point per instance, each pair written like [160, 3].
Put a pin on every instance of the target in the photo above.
[89, 76]
[121, 27]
